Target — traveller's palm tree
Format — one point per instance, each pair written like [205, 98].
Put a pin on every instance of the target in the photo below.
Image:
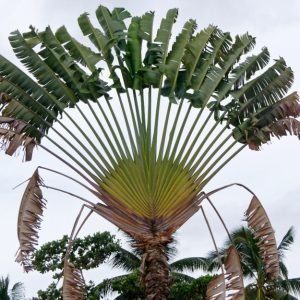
[156, 120]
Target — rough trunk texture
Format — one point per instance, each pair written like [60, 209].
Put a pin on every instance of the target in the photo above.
[155, 269]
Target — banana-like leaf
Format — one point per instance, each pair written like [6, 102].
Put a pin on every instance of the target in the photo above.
[78, 51]
[175, 56]
[29, 220]
[243, 72]
[194, 50]
[165, 30]
[13, 137]
[146, 26]
[216, 73]
[54, 55]
[259, 222]
[113, 24]
[44, 74]
[229, 285]
[73, 285]
[275, 120]
[18, 85]
[287, 107]
[266, 89]
[102, 43]
[135, 50]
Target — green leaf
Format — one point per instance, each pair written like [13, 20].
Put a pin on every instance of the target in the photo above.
[45, 76]
[102, 43]
[174, 58]
[112, 24]
[134, 50]
[266, 89]
[194, 50]
[78, 51]
[165, 30]
[146, 26]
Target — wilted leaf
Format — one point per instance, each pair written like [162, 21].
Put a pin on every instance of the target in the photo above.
[259, 222]
[73, 286]
[230, 285]
[13, 137]
[29, 220]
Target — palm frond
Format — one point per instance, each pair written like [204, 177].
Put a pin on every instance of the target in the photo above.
[126, 260]
[294, 285]
[286, 242]
[189, 264]
[29, 220]
[18, 291]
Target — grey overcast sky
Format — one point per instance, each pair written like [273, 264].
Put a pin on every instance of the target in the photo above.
[272, 172]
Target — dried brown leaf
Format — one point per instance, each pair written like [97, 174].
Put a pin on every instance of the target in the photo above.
[284, 126]
[13, 137]
[216, 289]
[29, 220]
[259, 222]
[73, 285]
[230, 286]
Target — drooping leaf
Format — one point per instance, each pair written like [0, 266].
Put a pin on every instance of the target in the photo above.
[13, 137]
[265, 89]
[229, 285]
[287, 107]
[113, 24]
[217, 72]
[29, 220]
[73, 285]
[216, 289]
[259, 222]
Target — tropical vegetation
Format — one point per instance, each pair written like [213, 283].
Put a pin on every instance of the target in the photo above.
[93, 250]
[143, 124]
[261, 285]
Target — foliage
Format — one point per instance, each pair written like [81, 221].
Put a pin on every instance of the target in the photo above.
[191, 290]
[88, 252]
[50, 257]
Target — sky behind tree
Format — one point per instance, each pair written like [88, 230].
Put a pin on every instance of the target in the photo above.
[271, 172]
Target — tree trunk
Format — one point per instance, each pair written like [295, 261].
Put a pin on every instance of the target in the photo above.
[155, 269]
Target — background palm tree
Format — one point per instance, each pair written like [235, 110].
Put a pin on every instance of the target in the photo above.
[254, 268]
[14, 293]
[130, 261]
[152, 129]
